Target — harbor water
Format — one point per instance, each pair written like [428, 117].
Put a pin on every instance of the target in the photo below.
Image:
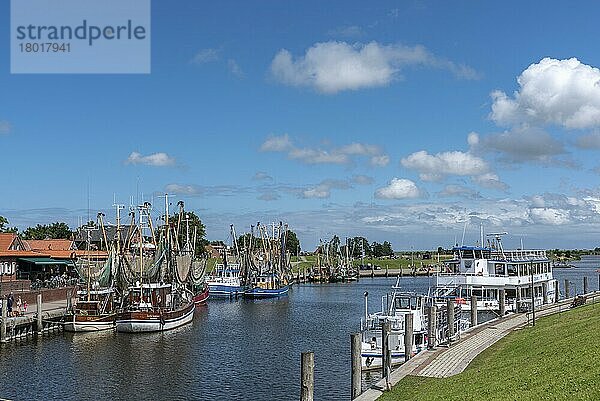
[233, 350]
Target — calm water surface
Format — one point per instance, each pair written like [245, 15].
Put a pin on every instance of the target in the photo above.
[244, 350]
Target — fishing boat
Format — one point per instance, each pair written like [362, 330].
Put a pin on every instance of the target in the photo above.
[394, 308]
[201, 296]
[226, 281]
[155, 307]
[267, 286]
[483, 271]
[270, 269]
[94, 311]
[161, 298]
[96, 305]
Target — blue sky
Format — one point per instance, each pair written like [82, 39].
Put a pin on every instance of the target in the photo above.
[394, 120]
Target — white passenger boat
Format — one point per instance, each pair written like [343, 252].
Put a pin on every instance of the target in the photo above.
[394, 308]
[484, 271]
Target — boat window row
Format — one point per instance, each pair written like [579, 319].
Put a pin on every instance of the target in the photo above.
[522, 269]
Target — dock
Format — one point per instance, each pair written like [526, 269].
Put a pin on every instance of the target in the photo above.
[45, 319]
[445, 361]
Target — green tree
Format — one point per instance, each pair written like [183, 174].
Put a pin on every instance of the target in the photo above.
[357, 245]
[194, 223]
[292, 243]
[386, 249]
[4, 226]
[56, 230]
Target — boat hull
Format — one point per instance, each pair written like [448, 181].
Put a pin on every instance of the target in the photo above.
[220, 290]
[202, 297]
[258, 292]
[78, 325]
[144, 322]
[372, 360]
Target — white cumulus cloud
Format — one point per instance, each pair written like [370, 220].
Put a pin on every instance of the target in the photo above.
[435, 167]
[565, 93]
[332, 155]
[206, 56]
[399, 188]
[159, 159]
[331, 67]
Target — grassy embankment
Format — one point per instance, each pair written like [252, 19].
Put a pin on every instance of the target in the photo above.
[555, 360]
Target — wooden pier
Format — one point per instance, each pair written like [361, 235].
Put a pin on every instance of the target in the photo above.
[42, 318]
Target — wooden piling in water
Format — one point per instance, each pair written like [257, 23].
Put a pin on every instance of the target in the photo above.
[307, 374]
[566, 288]
[431, 330]
[3, 323]
[386, 360]
[473, 310]
[450, 312]
[556, 291]
[408, 335]
[386, 270]
[585, 285]
[355, 356]
[39, 314]
[502, 302]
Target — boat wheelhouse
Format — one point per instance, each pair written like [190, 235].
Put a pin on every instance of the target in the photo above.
[484, 271]
[226, 281]
[94, 311]
[394, 308]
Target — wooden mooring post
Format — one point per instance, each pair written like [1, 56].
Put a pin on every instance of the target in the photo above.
[386, 360]
[473, 310]
[307, 373]
[355, 356]
[567, 288]
[556, 289]
[40, 324]
[502, 302]
[585, 285]
[431, 329]
[3, 323]
[408, 336]
[450, 312]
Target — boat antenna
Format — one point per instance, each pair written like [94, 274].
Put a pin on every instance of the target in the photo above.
[464, 231]
[482, 244]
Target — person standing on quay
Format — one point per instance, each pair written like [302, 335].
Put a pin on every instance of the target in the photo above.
[19, 306]
[9, 304]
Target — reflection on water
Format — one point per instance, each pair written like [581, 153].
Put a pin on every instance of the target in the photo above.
[244, 350]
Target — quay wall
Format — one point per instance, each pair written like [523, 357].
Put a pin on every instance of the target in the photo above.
[48, 294]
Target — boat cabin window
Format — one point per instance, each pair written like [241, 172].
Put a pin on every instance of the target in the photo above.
[499, 269]
[407, 303]
[467, 254]
[512, 270]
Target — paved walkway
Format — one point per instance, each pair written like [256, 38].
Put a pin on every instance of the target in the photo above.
[449, 361]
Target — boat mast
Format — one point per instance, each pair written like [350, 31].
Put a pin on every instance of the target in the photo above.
[87, 250]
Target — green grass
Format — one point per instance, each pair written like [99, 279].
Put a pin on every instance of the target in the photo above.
[558, 359]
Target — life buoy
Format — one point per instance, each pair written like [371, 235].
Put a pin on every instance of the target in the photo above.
[460, 301]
